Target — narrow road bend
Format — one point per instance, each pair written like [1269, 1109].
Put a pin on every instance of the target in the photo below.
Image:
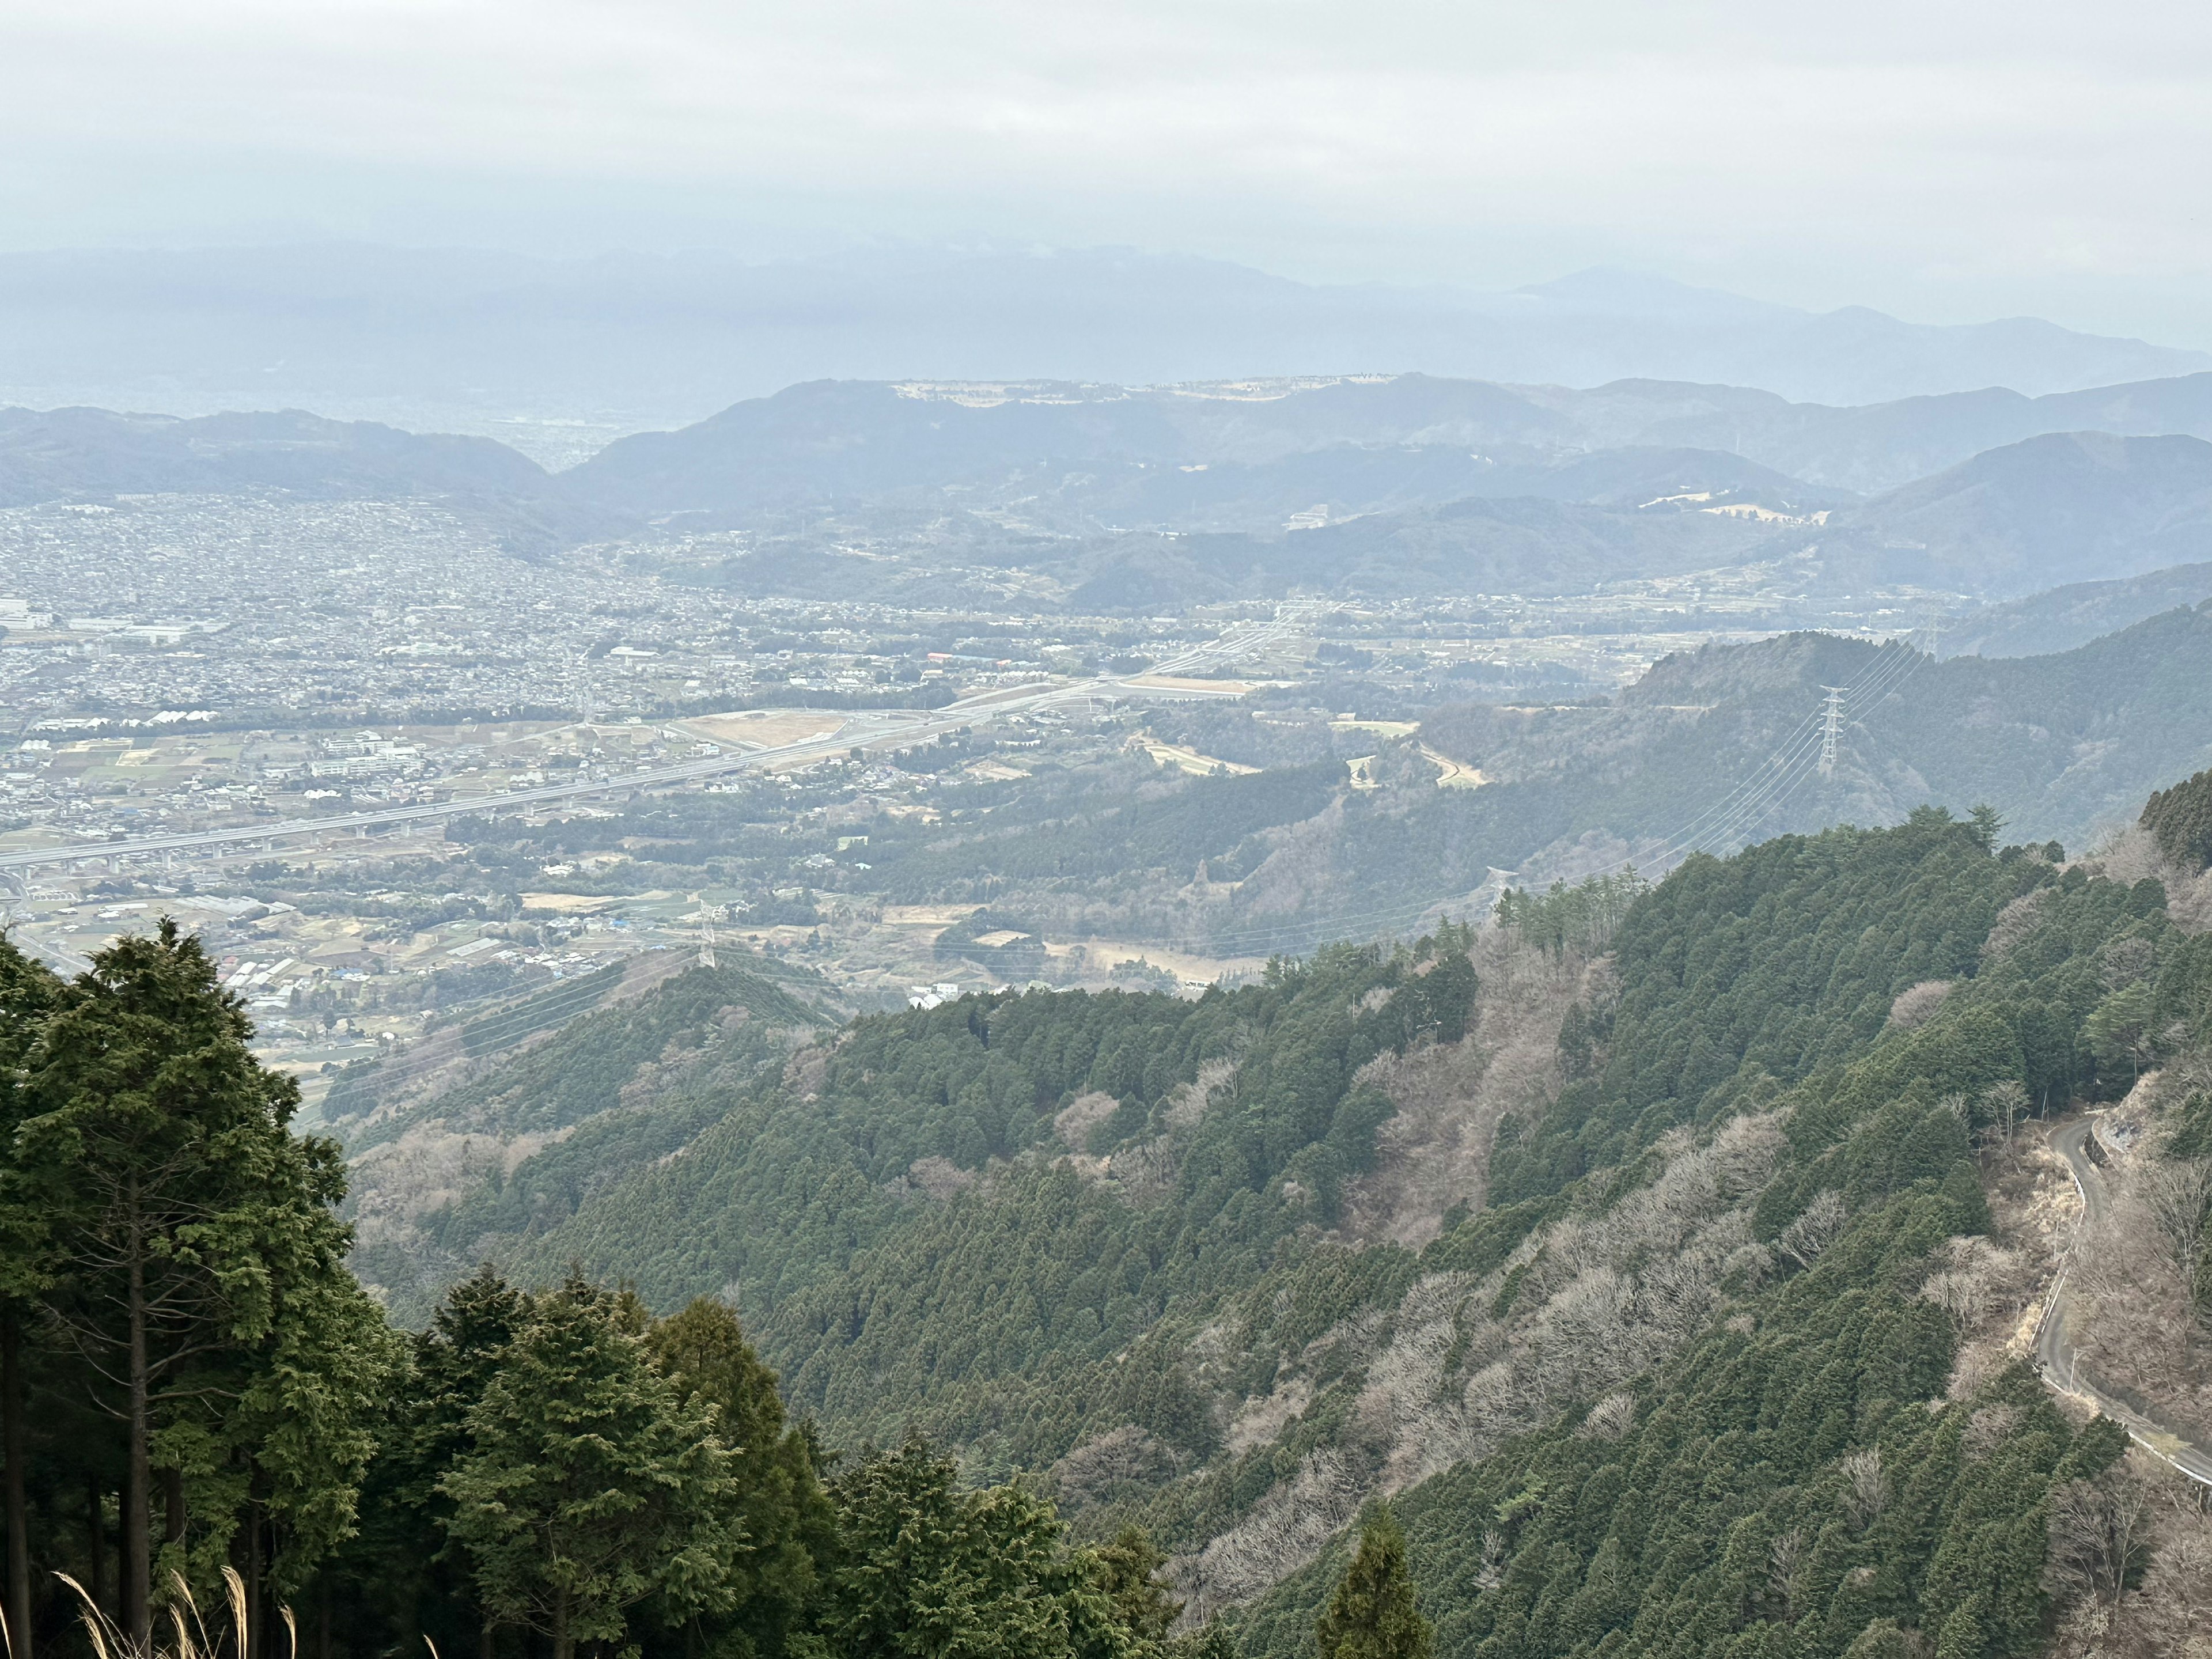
[2056, 1359]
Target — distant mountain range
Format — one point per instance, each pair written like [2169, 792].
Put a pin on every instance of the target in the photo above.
[559, 355]
[1157, 497]
[850, 441]
[2073, 615]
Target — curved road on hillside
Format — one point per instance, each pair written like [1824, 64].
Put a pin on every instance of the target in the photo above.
[865, 727]
[2060, 1365]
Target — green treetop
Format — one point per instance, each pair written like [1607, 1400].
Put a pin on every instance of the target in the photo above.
[777, 1493]
[1372, 1615]
[591, 1485]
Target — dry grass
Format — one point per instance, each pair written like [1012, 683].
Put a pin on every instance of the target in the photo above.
[187, 1637]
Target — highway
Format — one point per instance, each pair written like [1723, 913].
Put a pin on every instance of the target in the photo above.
[2057, 1363]
[862, 728]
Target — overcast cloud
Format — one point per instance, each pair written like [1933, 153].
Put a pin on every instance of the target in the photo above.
[1948, 163]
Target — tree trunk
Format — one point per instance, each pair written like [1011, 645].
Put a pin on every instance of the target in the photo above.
[19, 1519]
[564, 1645]
[172, 1506]
[137, 1574]
[95, 1543]
[484, 1637]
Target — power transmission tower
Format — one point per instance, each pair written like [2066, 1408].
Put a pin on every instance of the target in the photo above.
[1831, 727]
[705, 917]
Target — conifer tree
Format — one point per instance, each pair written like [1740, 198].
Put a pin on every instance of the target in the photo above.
[1372, 1615]
[591, 1485]
[407, 1557]
[197, 1266]
[775, 1490]
[27, 992]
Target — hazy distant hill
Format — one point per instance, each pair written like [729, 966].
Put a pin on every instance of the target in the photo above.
[2060, 744]
[2052, 510]
[73, 452]
[78, 454]
[848, 441]
[558, 356]
[2076, 614]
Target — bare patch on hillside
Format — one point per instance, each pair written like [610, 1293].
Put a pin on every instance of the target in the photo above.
[1994, 1288]
[1598, 1299]
[2132, 1319]
[1260, 1421]
[2133, 853]
[2131, 1564]
[1434, 1152]
[1081, 1116]
[941, 1178]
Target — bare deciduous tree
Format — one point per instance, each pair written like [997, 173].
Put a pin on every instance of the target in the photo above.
[2177, 1195]
[2100, 1534]
[1612, 1416]
[1488, 1569]
[1868, 1494]
[1804, 1239]
[1783, 1558]
[2003, 1105]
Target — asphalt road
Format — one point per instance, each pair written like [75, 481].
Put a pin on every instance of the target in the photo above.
[2057, 1361]
[865, 726]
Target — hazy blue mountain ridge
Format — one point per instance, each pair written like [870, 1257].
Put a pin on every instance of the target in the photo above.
[506, 344]
[2073, 615]
[2051, 510]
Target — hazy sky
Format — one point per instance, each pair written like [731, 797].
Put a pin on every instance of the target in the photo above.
[1947, 161]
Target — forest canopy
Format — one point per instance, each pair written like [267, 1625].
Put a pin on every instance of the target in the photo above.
[1026, 1263]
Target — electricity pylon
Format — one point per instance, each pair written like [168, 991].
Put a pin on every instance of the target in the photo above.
[705, 917]
[1831, 727]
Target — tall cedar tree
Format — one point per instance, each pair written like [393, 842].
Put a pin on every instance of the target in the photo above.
[1372, 1615]
[790, 1525]
[198, 1267]
[591, 1485]
[932, 1572]
[406, 1558]
[27, 992]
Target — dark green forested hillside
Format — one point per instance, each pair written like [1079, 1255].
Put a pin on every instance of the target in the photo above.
[1795, 1481]
[574, 1103]
[1683, 1370]
[930, 1223]
[901, 1259]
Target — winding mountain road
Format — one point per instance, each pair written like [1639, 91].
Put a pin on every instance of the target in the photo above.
[2057, 1361]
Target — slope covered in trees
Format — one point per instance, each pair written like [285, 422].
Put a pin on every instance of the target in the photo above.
[449, 1176]
[1097, 1234]
[1706, 1358]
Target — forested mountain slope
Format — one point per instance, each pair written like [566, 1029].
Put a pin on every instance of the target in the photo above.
[508, 1145]
[2062, 744]
[2075, 613]
[1621, 1239]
